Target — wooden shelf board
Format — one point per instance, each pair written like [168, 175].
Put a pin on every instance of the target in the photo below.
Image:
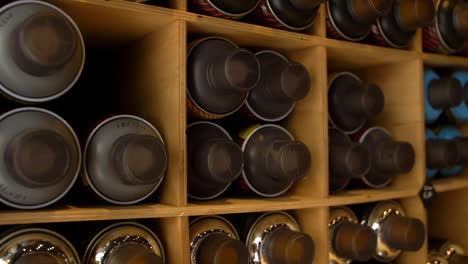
[75, 213]
[438, 60]
[450, 184]
[367, 196]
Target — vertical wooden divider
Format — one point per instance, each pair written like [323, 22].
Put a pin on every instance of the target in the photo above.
[155, 73]
[173, 233]
[309, 122]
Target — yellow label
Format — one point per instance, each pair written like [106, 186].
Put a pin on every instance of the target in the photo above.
[244, 134]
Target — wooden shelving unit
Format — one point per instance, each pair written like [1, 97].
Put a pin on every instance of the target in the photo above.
[152, 43]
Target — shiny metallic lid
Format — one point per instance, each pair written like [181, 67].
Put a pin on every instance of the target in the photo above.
[107, 245]
[40, 158]
[384, 215]
[206, 226]
[37, 246]
[267, 224]
[124, 159]
[41, 49]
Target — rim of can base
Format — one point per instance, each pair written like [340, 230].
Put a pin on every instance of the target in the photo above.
[244, 176]
[45, 231]
[79, 157]
[388, 41]
[335, 27]
[289, 26]
[105, 230]
[26, 99]
[249, 107]
[229, 184]
[441, 39]
[234, 15]
[85, 155]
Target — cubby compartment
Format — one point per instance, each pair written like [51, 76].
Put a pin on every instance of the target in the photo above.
[400, 78]
[307, 123]
[447, 217]
[312, 222]
[139, 73]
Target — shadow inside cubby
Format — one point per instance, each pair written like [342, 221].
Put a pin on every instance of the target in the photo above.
[131, 68]
[80, 234]
[174, 4]
[400, 78]
[307, 123]
[447, 216]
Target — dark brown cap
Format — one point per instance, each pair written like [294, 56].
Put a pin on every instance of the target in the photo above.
[38, 157]
[37, 258]
[44, 42]
[239, 71]
[219, 160]
[458, 259]
[288, 160]
[133, 253]
[367, 101]
[139, 159]
[404, 233]
[394, 156]
[294, 83]
[461, 144]
[460, 19]
[445, 92]
[367, 11]
[412, 14]
[353, 241]
[284, 246]
[306, 4]
[441, 154]
[350, 161]
[219, 248]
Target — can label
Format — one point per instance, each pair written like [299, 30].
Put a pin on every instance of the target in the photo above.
[265, 16]
[197, 112]
[432, 41]
[205, 7]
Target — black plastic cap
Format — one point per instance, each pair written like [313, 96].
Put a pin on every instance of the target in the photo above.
[460, 19]
[441, 154]
[445, 92]
[219, 161]
[412, 14]
[139, 159]
[353, 241]
[240, 71]
[350, 161]
[284, 246]
[295, 83]
[288, 160]
[368, 101]
[458, 259]
[404, 233]
[132, 253]
[306, 5]
[367, 11]
[37, 258]
[219, 248]
[394, 157]
[43, 43]
[461, 144]
[38, 158]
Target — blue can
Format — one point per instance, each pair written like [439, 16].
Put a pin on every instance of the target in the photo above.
[460, 112]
